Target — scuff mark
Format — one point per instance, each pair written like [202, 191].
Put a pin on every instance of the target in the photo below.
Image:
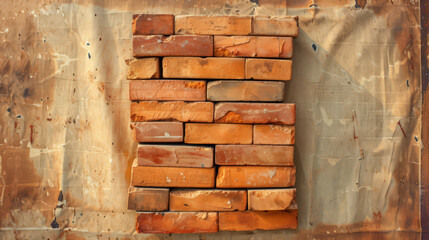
[399, 123]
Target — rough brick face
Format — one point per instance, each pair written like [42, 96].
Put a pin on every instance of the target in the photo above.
[175, 156]
[158, 131]
[254, 155]
[278, 113]
[251, 91]
[173, 177]
[168, 90]
[268, 69]
[208, 68]
[250, 220]
[280, 26]
[200, 133]
[274, 134]
[251, 46]
[148, 199]
[213, 25]
[151, 24]
[255, 177]
[144, 68]
[270, 199]
[158, 45]
[177, 222]
[208, 200]
[172, 111]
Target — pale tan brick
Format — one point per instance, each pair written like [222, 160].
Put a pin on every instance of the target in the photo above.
[268, 69]
[208, 200]
[148, 199]
[158, 131]
[270, 199]
[274, 134]
[144, 68]
[254, 155]
[213, 25]
[275, 26]
[250, 220]
[168, 90]
[200, 133]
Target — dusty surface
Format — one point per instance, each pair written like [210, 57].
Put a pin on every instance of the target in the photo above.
[67, 146]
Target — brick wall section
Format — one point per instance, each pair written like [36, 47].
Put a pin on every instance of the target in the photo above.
[215, 139]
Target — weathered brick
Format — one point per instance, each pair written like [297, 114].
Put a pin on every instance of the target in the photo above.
[277, 26]
[268, 69]
[252, 91]
[252, 46]
[144, 68]
[172, 111]
[270, 199]
[208, 200]
[213, 25]
[274, 134]
[177, 222]
[254, 155]
[168, 90]
[175, 156]
[150, 24]
[173, 177]
[277, 113]
[255, 177]
[176, 45]
[251, 220]
[209, 68]
[148, 199]
[201, 133]
[158, 131]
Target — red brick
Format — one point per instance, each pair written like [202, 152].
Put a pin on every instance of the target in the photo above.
[213, 25]
[148, 199]
[268, 69]
[158, 131]
[175, 156]
[173, 177]
[172, 111]
[252, 46]
[277, 26]
[209, 68]
[254, 155]
[177, 222]
[144, 68]
[255, 177]
[252, 91]
[150, 24]
[271, 199]
[249, 220]
[158, 45]
[208, 200]
[274, 134]
[168, 90]
[200, 133]
[277, 113]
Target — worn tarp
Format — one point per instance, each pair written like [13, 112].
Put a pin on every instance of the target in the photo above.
[66, 146]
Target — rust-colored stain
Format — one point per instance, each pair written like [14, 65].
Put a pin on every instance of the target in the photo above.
[195, 84]
[231, 117]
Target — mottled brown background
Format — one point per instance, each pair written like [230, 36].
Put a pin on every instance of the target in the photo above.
[66, 146]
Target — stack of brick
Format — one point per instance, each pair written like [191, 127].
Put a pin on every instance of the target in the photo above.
[215, 140]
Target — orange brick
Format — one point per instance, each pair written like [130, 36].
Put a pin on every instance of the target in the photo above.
[168, 90]
[150, 24]
[252, 46]
[177, 222]
[252, 91]
[158, 131]
[213, 25]
[255, 177]
[208, 200]
[144, 68]
[175, 156]
[249, 220]
[268, 69]
[148, 199]
[277, 26]
[176, 45]
[172, 111]
[270, 199]
[254, 155]
[173, 177]
[209, 68]
[201, 133]
[277, 113]
[274, 134]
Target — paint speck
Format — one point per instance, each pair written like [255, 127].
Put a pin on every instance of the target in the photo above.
[19, 116]
[10, 110]
[89, 55]
[168, 180]
[87, 44]
[202, 165]
[416, 138]
[314, 47]
[54, 224]
[408, 83]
